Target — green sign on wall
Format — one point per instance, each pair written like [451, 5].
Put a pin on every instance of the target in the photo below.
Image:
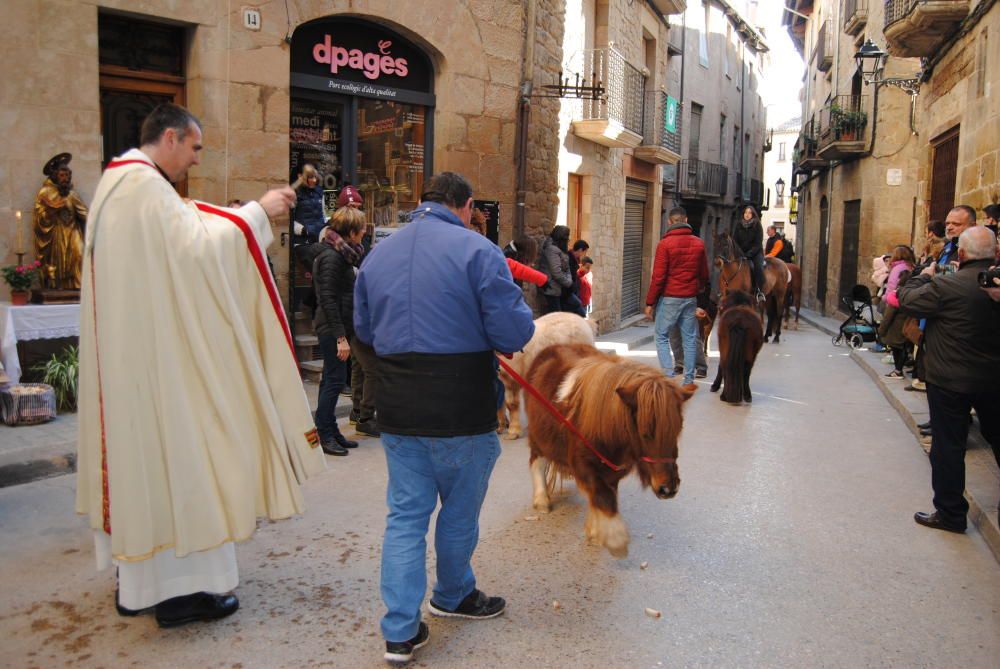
[670, 118]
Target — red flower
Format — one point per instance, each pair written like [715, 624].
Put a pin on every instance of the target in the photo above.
[19, 270]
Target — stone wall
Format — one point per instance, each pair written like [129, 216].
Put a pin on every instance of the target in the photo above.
[962, 94]
[238, 84]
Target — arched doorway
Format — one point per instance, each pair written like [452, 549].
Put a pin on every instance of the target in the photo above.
[361, 111]
[824, 253]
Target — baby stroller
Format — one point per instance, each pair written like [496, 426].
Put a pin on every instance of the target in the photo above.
[859, 327]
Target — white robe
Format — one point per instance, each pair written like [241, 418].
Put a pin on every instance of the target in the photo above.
[193, 421]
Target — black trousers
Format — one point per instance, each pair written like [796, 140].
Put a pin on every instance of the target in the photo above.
[949, 433]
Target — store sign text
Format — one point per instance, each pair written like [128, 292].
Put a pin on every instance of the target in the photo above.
[372, 64]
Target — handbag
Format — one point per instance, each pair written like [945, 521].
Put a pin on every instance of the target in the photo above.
[912, 331]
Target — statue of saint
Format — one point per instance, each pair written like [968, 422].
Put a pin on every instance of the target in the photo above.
[60, 217]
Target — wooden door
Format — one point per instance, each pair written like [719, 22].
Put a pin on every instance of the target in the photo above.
[944, 172]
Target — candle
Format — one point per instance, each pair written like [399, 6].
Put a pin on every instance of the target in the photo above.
[20, 233]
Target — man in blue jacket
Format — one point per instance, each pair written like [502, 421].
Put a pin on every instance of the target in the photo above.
[435, 300]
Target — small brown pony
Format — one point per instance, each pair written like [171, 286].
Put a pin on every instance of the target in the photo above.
[734, 274]
[794, 295]
[739, 334]
[630, 412]
[560, 327]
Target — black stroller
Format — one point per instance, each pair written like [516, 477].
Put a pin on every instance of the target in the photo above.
[858, 328]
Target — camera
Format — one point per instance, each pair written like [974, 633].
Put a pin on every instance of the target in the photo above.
[990, 278]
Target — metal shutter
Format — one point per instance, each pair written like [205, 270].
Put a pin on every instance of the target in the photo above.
[636, 193]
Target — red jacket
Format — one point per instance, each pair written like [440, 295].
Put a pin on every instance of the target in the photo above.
[680, 268]
[522, 272]
[586, 287]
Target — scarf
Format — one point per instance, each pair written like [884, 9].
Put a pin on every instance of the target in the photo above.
[352, 253]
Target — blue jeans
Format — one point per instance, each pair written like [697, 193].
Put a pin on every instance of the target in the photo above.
[334, 378]
[678, 311]
[421, 469]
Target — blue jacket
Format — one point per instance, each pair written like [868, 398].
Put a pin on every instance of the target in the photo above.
[309, 210]
[435, 300]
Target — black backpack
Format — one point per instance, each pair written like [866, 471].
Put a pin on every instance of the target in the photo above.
[787, 252]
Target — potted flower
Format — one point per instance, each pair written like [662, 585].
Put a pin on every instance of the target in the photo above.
[848, 122]
[20, 278]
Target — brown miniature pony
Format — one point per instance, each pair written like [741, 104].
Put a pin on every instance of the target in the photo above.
[794, 296]
[739, 334]
[630, 413]
[734, 274]
[560, 327]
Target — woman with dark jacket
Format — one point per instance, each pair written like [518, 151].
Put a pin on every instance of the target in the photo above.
[333, 269]
[554, 263]
[749, 237]
[309, 204]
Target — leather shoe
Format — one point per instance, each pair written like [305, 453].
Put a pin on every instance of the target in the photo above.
[198, 607]
[933, 520]
[332, 448]
[345, 442]
[924, 426]
[925, 432]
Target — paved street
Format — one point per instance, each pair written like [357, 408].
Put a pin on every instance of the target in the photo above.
[790, 544]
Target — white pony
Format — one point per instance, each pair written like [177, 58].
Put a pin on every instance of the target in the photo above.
[555, 328]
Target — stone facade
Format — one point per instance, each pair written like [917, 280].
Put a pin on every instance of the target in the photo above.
[960, 94]
[237, 82]
[880, 176]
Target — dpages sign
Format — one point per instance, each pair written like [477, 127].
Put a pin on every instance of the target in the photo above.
[355, 57]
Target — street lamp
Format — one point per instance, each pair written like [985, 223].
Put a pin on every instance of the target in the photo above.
[871, 63]
[779, 187]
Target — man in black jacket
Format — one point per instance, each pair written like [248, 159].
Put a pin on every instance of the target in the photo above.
[962, 365]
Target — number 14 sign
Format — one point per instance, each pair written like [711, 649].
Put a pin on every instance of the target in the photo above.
[251, 18]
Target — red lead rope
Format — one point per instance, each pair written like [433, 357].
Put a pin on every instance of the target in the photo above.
[531, 390]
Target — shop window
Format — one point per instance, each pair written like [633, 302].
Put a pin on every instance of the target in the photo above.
[390, 159]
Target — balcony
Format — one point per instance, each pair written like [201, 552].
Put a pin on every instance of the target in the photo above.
[918, 27]
[700, 179]
[666, 7]
[615, 118]
[855, 16]
[659, 145]
[843, 128]
[804, 154]
[823, 51]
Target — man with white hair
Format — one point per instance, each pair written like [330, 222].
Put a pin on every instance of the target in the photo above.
[962, 365]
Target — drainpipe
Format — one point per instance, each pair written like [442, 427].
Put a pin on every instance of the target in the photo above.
[523, 116]
[677, 177]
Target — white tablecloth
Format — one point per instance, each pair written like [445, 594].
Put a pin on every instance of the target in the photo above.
[33, 321]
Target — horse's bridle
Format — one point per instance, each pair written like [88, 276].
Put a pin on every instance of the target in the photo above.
[726, 260]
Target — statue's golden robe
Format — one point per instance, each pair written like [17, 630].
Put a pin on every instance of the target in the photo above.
[192, 416]
[59, 224]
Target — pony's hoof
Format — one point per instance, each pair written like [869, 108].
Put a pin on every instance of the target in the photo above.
[511, 436]
[714, 388]
[544, 505]
[618, 552]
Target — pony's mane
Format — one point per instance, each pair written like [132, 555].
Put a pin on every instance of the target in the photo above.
[599, 411]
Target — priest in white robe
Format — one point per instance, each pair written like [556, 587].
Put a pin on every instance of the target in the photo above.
[193, 421]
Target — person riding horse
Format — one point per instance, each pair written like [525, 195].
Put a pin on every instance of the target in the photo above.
[749, 237]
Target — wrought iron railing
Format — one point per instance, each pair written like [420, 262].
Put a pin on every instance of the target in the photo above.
[844, 119]
[624, 86]
[855, 9]
[897, 10]
[655, 126]
[697, 177]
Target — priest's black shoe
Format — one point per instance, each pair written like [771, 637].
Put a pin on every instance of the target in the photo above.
[933, 520]
[194, 608]
[333, 448]
[345, 442]
[122, 611]
[924, 426]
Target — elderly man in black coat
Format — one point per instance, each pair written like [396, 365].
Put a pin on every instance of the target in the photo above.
[962, 365]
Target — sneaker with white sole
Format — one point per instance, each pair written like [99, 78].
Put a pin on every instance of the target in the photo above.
[895, 374]
[401, 652]
[475, 606]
